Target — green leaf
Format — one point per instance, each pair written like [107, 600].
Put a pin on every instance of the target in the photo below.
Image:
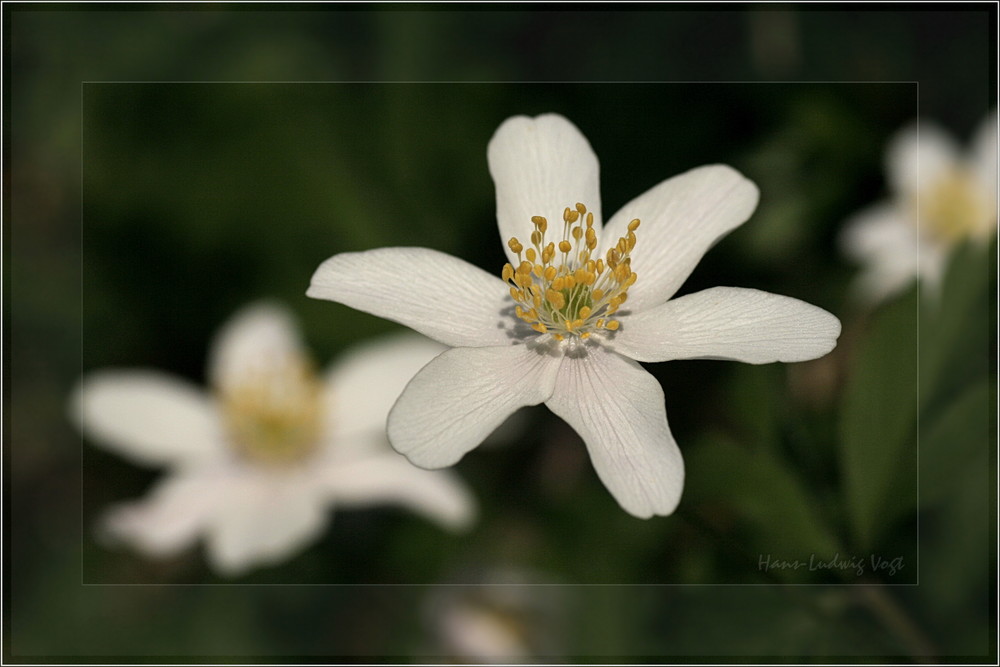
[960, 435]
[959, 323]
[770, 500]
[878, 414]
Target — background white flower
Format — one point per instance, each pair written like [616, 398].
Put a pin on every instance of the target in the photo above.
[574, 311]
[255, 464]
[500, 614]
[940, 196]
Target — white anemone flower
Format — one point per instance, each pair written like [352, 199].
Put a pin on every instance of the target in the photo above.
[501, 616]
[940, 197]
[574, 310]
[256, 463]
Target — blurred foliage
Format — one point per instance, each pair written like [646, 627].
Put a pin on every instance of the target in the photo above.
[168, 165]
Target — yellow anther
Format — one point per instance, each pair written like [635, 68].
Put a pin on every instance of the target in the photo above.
[548, 253]
[575, 294]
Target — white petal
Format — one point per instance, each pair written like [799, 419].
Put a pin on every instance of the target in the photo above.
[984, 153]
[540, 166]
[889, 249]
[266, 519]
[460, 397]
[377, 480]
[366, 380]
[260, 336]
[170, 519]
[917, 155]
[729, 323]
[479, 633]
[618, 410]
[880, 230]
[148, 417]
[680, 219]
[436, 294]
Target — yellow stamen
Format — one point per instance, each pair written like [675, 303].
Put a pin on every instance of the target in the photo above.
[559, 288]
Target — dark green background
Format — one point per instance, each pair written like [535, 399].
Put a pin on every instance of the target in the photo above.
[168, 164]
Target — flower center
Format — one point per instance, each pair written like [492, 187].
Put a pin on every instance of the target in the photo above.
[558, 287]
[955, 207]
[274, 413]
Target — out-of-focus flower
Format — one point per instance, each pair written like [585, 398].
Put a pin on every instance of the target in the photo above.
[500, 616]
[940, 197]
[577, 307]
[255, 464]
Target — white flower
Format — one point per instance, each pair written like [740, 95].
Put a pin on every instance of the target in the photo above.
[502, 615]
[256, 463]
[940, 198]
[557, 329]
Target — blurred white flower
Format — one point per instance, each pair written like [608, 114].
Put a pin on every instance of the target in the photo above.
[557, 329]
[256, 463]
[499, 616]
[940, 197]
